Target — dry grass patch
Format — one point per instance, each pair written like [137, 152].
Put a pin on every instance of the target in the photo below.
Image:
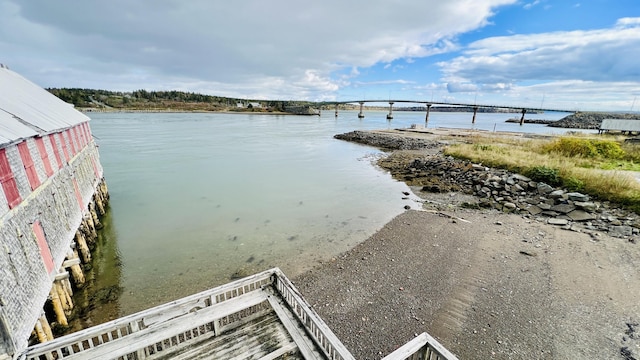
[577, 163]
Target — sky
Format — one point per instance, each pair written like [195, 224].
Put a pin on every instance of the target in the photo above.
[561, 54]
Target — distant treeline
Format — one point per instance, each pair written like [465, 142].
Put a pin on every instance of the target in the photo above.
[166, 100]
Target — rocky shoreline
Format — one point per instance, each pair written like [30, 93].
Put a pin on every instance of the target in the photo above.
[499, 189]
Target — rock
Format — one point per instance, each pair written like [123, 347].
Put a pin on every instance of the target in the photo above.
[586, 205]
[621, 231]
[550, 213]
[508, 207]
[556, 194]
[533, 210]
[544, 206]
[561, 222]
[563, 208]
[579, 215]
[575, 196]
[544, 188]
[521, 177]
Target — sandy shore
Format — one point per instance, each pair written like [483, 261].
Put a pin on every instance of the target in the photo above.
[486, 284]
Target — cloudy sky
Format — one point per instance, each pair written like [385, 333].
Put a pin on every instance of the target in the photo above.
[569, 54]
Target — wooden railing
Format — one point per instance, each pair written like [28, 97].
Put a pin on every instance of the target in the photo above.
[118, 331]
[422, 347]
[162, 330]
[324, 338]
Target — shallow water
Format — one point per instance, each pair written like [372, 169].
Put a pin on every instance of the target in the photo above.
[199, 198]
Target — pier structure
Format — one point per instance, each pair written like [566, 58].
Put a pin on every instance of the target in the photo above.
[51, 199]
[390, 114]
[361, 113]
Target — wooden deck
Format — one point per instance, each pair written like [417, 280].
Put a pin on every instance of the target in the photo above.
[259, 317]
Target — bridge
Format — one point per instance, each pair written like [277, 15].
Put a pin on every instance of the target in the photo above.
[428, 105]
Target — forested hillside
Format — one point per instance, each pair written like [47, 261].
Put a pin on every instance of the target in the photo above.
[143, 100]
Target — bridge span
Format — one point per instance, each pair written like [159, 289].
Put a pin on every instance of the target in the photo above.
[428, 104]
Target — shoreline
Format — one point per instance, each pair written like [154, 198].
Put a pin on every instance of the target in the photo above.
[485, 283]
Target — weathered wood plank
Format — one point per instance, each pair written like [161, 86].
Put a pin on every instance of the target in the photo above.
[283, 350]
[161, 331]
[305, 345]
[419, 343]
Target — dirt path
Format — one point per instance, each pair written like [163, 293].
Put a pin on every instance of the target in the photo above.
[490, 286]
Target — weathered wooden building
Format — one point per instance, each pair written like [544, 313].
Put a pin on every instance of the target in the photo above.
[52, 192]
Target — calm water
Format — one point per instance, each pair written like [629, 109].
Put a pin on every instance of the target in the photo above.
[197, 198]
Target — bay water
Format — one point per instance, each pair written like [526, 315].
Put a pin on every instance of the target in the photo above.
[200, 198]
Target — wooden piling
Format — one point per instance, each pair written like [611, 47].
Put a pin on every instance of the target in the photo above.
[83, 248]
[61, 318]
[63, 291]
[426, 119]
[91, 229]
[97, 199]
[42, 336]
[73, 263]
[475, 112]
[43, 329]
[524, 111]
[94, 216]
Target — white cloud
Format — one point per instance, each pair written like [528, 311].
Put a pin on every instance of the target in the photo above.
[228, 44]
[568, 61]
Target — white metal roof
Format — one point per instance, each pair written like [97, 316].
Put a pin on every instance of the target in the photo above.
[11, 129]
[620, 124]
[25, 103]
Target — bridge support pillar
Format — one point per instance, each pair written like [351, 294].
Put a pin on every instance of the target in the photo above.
[426, 118]
[524, 111]
[390, 114]
[361, 114]
[336, 110]
[475, 112]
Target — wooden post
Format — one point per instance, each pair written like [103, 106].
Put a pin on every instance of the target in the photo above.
[43, 329]
[97, 198]
[63, 287]
[336, 110]
[426, 118]
[82, 246]
[42, 337]
[57, 307]
[475, 111]
[73, 263]
[94, 216]
[390, 115]
[93, 235]
[522, 118]
[361, 114]
[46, 327]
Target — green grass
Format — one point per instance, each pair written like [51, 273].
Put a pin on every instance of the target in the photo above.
[591, 165]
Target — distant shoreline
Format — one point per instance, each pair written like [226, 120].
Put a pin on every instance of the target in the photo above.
[168, 111]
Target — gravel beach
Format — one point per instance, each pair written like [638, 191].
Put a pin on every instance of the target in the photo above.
[486, 284]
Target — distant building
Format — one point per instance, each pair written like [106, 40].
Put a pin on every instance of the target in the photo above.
[50, 174]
